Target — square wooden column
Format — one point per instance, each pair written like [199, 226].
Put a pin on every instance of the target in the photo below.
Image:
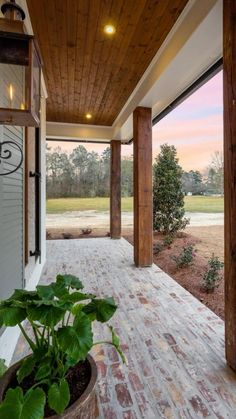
[115, 192]
[229, 75]
[143, 224]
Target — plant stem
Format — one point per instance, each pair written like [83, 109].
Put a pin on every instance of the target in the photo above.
[48, 337]
[30, 342]
[120, 352]
[44, 330]
[68, 318]
[102, 342]
[35, 333]
[41, 334]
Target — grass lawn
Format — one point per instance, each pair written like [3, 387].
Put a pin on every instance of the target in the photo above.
[61, 205]
[204, 204]
[192, 204]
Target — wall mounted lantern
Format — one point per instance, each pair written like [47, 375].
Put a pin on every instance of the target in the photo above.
[20, 70]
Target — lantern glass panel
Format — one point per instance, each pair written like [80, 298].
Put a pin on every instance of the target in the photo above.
[36, 84]
[12, 86]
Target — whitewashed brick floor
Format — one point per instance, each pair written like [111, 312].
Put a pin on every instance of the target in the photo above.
[174, 344]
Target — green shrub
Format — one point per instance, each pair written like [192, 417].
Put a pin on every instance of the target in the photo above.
[168, 197]
[168, 240]
[185, 258]
[158, 247]
[212, 277]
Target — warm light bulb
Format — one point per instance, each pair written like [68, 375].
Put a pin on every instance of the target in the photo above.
[109, 29]
[88, 115]
[11, 92]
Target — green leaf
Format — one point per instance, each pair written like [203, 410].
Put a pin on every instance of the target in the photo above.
[18, 406]
[103, 309]
[34, 402]
[77, 296]
[70, 281]
[45, 292]
[11, 407]
[3, 367]
[70, 362]
[22, 295]
[76, 340]
[64, 305]
[59, 289]
[59, 396]
[77, 308]
[26, 368]
[44, 369]
[11, 316]
[48, 313]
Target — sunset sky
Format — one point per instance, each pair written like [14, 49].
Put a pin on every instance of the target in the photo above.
[195, 128]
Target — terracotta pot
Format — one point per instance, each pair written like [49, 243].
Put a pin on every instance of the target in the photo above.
[84, 408]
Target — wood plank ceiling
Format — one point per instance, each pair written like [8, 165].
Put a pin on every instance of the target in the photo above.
[88, 71]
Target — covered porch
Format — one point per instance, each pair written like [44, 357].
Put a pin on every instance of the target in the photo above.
[173, 343]
[112, 90]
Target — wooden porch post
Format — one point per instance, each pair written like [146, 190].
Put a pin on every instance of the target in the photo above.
[115, 192]
[229, 52]
[143, 224]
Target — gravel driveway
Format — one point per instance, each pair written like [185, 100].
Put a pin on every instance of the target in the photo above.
[92, 218]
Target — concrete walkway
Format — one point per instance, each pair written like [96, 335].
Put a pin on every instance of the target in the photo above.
[174, 344]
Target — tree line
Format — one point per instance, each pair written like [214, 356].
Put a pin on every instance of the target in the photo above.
[209, 183]
[87, 174]
[84, 174]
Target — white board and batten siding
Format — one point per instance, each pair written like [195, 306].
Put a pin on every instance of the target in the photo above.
[11, 194]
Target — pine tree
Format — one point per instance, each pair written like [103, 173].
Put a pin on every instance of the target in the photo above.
[168, 197]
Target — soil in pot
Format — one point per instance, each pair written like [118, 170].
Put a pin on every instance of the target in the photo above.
[78, 379]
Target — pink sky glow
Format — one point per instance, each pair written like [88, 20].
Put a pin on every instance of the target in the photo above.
[195, 128]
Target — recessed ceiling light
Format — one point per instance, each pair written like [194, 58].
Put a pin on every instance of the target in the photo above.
[88, 115]
[109, 29]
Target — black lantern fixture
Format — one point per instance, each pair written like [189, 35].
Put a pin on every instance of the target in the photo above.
[20, 70]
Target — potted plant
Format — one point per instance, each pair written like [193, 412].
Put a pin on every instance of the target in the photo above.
[59, 376]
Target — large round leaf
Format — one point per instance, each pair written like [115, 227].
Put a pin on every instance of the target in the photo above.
[18, 406]
[101, 309]
[45, 292]
[11, 316]
[76, 340]
[26, 368]
[77, 296]
[22, 295]
[70, 281]
[46, 313]
[59, 396]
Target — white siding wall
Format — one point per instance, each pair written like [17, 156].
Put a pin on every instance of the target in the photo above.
[11, 196]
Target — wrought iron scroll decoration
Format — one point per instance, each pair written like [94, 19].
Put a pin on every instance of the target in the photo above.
[7, 154]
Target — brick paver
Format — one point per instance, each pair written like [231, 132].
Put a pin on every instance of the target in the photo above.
[173, 343]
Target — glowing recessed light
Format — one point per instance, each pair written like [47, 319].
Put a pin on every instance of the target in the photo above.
[11, 92]
[109, 29]
[88, 115]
